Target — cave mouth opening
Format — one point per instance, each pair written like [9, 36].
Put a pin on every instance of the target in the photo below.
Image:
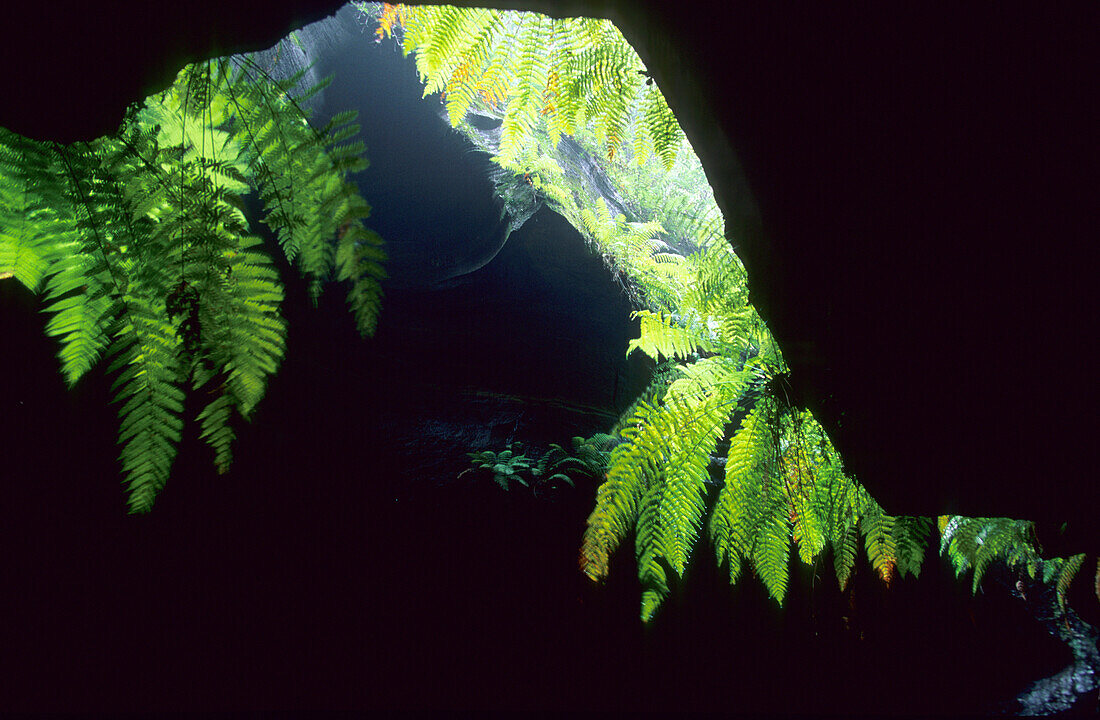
[496, 326]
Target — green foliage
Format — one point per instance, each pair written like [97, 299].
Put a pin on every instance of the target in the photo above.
[140, 246]
[1066, 573]
[546, 76]
[587, 460]
[506, 466]
[911, 536]
[974, 544]
[579, 129]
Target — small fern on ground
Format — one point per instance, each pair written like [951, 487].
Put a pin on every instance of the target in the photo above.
[546, 472]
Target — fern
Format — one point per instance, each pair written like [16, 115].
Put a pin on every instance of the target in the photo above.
[1065, 577]
[662, 338]
[151, 397]
[975, 544]
[579, 127]
[878, 532]
[543, 75]
[31, 232]
[910, 536]
[139, 244]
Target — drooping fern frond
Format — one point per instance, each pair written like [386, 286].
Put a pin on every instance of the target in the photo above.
[974, 544]
[911, 536]
[140, 244]
[541, 74]
[30, 231]
[631, 472]
[1065, 577]
[661, 337]
[878, 534]
[151, 397]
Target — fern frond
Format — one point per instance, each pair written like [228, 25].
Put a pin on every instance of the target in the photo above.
[738, 512]
[359, 258]
[698, 428]
[80, 321]
[661, 126]
[878, 533]
[524, 107]
[256, 337]
[976, 543]
[661, 338]
[910, 539]
[845, 550]
[1096, 580]
[152, 402]
[1066, 574]
[632, 470]
[31, 231]
[215, 430]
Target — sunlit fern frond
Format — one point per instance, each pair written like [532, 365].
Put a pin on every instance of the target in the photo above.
[975, 543]
[148, 389]
[139, 243]
[798, 466]
[749, 469]
[661, 338]
[633, 468]
[661, 127]
[537, 72]
[32, 233]
[523, 113]
[878, 537]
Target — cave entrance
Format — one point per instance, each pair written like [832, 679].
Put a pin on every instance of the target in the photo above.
[492, 331]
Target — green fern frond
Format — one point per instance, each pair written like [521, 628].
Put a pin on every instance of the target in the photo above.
[215, 430]
[738, 513]
[359, 258]
[630, 473]
[1066, 574]
[256, 338]
[661, 338]
[31, 230]
[878, 535]
[661, 126]
[773, 546]
[539, 74]
[910, 540]
[845, 549]
[148, 389]
[80, 320]
[700, 425]
[976, 543]
[809, 522]
[525, 102]
[138, 242]
[651, 553]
